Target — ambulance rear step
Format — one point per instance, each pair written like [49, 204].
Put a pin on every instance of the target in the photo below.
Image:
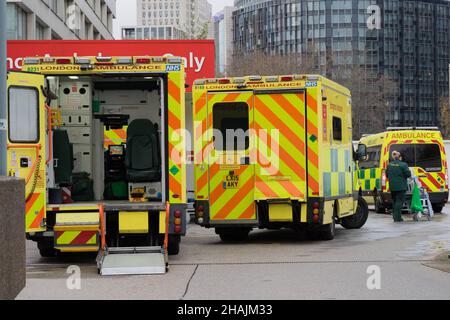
[132, 261]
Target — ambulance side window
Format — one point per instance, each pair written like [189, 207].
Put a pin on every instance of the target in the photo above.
[231, 119]
[337, 129]
[23, 113]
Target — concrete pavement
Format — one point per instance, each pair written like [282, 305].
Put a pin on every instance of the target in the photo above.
[272, 265]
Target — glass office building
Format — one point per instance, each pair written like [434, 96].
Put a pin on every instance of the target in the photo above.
[411, 45]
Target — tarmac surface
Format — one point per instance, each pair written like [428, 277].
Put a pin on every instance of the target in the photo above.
[397, 261]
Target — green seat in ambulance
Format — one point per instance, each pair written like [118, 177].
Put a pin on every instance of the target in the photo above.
[143, 157]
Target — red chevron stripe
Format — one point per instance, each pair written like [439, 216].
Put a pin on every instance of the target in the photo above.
[83, 237]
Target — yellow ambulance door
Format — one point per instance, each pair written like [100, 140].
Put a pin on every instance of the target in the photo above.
[26, 143]
[280, 126]
[231, 167]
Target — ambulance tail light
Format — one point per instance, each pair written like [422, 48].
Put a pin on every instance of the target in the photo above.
[63, 61]
[316, 212]
[383, 180]
[446, 180]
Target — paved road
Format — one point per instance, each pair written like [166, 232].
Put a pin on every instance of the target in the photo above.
[272, 265]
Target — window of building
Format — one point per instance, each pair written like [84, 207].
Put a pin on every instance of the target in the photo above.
[16, 20]
[23, 115]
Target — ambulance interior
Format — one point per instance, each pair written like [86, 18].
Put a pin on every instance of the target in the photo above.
[108, 145]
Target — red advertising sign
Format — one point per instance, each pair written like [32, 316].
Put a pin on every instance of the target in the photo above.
[199, 55]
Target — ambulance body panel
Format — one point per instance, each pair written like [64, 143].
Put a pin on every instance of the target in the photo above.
[295, 167]
[93, 96]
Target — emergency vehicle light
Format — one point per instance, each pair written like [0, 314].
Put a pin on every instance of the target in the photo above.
[143, 60]
[174, 60]
[82, 60]
[31, 61]
[287, 78]
[47, 59]
[255, 78]
[239, 80]
[200, 82]
[124, 60]
[272, 79]
[104, 59]
[224, 81]
[63, 61]
[158, 60]
[211, 80]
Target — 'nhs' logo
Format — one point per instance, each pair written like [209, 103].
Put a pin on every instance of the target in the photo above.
[173, 68]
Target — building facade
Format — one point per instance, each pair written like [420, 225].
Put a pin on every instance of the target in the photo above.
[60, 19]
[192, 18]
[407, 41]
[223, 36]
[152, 33]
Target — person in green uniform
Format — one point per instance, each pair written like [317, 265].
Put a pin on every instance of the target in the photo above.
[398, 174]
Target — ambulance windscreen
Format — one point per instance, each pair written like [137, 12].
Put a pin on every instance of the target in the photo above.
[425, 156]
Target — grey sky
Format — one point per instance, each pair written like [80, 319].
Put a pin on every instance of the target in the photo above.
[126, 12]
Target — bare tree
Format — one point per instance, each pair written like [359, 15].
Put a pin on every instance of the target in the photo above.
[370, 98]
[258, 63]
[371, 92]
[444, 110]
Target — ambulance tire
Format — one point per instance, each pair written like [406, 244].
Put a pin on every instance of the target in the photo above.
[379, 207]
[46, 249]
[359, 219]
[174, 245]
[437, 208]
[233, 234]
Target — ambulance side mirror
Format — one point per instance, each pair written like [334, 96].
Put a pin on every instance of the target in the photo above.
[361, 153]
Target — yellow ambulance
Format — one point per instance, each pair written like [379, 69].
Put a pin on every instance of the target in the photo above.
[421, 148]
[275, 152]
[127, 200]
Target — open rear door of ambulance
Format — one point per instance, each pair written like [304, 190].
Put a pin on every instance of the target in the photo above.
[27, 143]
[231, 171]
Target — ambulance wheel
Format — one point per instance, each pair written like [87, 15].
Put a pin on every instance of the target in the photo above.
[46, 249]
[379, 207]
[233, 234]
[174, 245]
[437, 208]
[359, 219]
